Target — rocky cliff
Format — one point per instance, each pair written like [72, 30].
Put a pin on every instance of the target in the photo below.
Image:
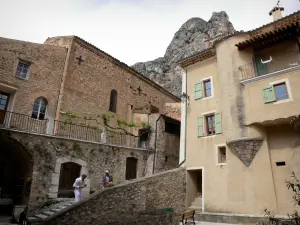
[188, 40]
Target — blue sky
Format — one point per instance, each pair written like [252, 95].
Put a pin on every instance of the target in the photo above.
[130, 30]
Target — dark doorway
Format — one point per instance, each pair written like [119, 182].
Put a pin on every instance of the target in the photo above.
[143, 139]
[113, 101]
[68, 173]
[16, 173]
[195, 188]
[131, 168]
[4, 98]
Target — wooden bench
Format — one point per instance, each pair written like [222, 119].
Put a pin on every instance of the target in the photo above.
[187, 215]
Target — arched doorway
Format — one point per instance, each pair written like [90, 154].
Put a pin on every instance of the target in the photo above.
[68, 173]
[131, 168]
[16, 172]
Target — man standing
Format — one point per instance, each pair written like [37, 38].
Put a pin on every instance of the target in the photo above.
[78, 185]
[107, 180]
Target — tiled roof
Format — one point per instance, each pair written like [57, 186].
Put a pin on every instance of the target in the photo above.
[197, 57]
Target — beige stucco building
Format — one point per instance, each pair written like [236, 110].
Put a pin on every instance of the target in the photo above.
[243, 91]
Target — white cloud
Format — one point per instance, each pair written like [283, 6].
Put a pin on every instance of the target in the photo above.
[130, 30]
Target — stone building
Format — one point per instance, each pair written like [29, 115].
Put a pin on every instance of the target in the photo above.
[39, 83]
[243, 92]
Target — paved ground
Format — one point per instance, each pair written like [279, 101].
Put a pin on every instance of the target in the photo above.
[209, 223]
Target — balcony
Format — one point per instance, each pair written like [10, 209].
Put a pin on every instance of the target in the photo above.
[25, 123]
[270, 65]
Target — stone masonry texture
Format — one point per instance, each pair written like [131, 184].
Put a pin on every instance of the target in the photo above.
[128, 203]
[46, 68]
[93, 80]
[45, 151]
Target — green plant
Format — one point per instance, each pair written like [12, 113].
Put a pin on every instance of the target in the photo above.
[49, 202]
[105, 120]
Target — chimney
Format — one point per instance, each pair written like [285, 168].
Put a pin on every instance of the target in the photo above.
[276, 13]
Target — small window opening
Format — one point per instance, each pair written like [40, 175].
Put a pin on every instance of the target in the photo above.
[222, 154]
[166, 158]
[280, 163]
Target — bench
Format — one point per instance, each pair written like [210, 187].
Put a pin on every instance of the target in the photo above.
[187, 215]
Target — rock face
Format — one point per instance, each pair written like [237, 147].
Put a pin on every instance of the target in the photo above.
[188, 40]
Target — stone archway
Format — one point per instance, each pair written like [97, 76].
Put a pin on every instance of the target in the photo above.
[16, 167]
[53, 190]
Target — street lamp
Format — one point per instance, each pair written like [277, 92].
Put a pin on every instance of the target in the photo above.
[184, 97]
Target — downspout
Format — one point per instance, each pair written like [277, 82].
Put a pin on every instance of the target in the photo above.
[185, 118]
[154, 157]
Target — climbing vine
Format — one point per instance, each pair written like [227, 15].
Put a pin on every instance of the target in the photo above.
[110, 121]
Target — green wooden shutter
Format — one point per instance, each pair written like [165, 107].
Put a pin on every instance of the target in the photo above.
[269, 94]
[198, 91]
[218, 123]
[200, 126]
[261, 68]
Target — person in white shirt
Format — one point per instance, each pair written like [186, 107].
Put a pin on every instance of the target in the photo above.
[78, 185]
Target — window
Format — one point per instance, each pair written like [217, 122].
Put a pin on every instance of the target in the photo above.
[113, 101]
[39, 108]
[22, 69]
[210, 127]
[221, 154]
[276, 92]
[207, 88]
[203, 89]
[209, 124]
[281, 91]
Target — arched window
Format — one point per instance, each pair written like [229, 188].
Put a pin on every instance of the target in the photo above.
[113, 101]
[39, 108]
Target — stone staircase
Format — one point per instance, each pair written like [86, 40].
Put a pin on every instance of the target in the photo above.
[196, 205]
[49, 211]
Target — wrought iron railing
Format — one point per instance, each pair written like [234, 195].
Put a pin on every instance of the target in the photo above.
[122, 139]
[25, 123]
[81, 132]
[21, 122]
[276, 63]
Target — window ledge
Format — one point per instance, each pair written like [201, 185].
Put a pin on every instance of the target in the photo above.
[277, 73]
[205, 98]
[282, 101]
[21, 78]
[221, 164]
[210, 136]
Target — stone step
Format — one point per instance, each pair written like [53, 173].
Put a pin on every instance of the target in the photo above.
[61, 207]
[48, 213]
[227, 218]
[69, 204]
[31, 218]
[55, 210]
[41, 216]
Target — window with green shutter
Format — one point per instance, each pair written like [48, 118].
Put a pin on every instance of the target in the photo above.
[269, 94]
[200, 126]
[198, 91]
[218, 123]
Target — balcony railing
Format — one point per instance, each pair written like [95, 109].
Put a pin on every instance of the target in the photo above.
[276, 63]
[21, 122]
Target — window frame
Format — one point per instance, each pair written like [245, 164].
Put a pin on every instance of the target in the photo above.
[204, 89]
[288, 89]
[206, 124]
[39, 108]
[218, 147]
[28, 70]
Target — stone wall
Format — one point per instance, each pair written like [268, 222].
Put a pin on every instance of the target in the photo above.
[44, 76]
[128, 202]
[88, 85]
[48, 153]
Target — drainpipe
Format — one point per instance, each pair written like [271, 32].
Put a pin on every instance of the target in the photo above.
[184, 132]
[154, 161]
